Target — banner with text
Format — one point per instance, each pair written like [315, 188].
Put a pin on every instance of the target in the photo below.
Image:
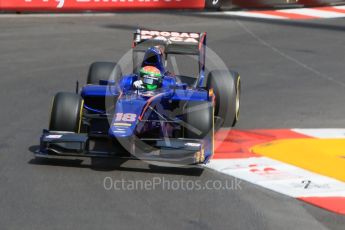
[98, 5]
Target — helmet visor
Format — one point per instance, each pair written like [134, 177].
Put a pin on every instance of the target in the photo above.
[149, 80]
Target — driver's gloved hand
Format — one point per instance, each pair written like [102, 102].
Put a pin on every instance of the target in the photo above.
[138, 84]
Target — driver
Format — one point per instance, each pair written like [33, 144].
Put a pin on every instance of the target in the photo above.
[150, 78]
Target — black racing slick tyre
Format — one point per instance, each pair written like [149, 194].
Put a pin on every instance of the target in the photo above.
[103, 71]
[214, 5]
[66, 114]
[226, 86]
[198, 119]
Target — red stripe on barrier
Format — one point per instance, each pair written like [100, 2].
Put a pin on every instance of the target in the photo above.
[334, 204]
[98, 5]
[285, 14]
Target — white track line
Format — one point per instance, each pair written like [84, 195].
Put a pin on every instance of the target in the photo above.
[253, 15]
[280, 177]
[322, 133]
[340, 7]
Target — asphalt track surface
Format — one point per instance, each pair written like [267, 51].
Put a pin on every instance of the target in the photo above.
[293, 76]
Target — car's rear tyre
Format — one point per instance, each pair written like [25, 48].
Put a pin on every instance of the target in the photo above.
[226, 86]
[66, 113]
[198, 118]
[214, 5]
[103, 71]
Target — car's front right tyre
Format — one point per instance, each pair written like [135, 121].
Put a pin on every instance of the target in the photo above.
[66, 114]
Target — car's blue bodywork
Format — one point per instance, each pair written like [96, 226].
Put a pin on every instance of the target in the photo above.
[144, 115]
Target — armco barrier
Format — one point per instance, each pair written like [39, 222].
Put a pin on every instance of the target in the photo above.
[277, 3]
[97, 5]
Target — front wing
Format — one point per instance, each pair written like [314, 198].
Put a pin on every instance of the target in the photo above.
[173, 150]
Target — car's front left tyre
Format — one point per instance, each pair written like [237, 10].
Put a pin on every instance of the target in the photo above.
[226, 86]
[198, 119]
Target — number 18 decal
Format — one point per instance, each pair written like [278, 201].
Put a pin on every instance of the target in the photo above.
[130, 117]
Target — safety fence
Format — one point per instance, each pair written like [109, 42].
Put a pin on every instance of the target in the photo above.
[279, 3]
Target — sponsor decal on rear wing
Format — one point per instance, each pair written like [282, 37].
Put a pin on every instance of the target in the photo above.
[174, 42]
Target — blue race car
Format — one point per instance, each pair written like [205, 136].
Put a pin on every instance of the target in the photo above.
[150, 114]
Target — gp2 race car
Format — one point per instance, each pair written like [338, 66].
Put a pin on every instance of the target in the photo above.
[112, 117]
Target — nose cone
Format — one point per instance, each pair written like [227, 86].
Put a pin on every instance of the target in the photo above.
[126, 116]
[121, 129]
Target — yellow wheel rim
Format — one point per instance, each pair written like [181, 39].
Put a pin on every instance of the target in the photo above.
[238, 95]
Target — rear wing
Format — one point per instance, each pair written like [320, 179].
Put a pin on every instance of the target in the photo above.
[174, 42]
[185, 43]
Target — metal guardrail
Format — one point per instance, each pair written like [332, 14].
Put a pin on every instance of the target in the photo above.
[229, 4]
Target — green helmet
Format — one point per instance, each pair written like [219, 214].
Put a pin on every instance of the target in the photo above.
[151, 77]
